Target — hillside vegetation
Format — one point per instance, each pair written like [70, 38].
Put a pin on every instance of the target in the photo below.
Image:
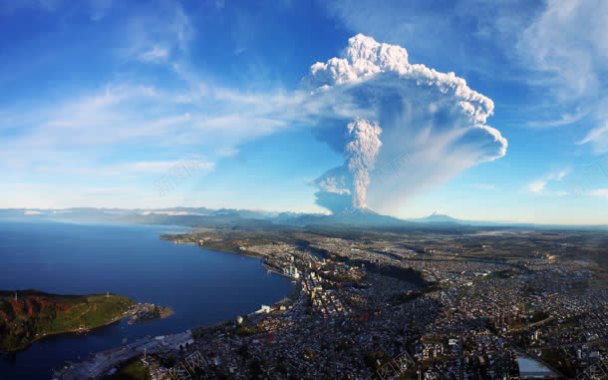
[33, 315]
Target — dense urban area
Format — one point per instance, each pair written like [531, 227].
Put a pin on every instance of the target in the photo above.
[445, 303]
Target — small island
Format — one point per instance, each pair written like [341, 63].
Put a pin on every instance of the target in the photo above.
[30, 315]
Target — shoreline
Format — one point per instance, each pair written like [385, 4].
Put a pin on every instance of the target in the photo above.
[128, 314]
[199, 330]
[196, 330]
[69, 332]
[238, 252]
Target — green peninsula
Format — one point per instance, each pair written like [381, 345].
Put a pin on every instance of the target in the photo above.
[26, 316]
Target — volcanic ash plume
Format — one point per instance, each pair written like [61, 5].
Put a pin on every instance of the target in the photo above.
[434, 126]
[361, 152]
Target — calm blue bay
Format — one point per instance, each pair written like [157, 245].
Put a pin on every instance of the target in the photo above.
[202, 286]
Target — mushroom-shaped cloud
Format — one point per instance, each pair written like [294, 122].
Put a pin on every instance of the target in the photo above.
[401, 127]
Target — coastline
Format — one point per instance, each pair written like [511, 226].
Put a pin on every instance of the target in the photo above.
[133, 314]
[198, 331]
[69, 332]
[42, 341]
[237, 251]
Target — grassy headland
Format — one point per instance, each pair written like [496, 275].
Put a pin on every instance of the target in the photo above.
[32, 315]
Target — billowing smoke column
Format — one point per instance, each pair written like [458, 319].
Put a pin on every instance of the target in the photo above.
[361, 154]
[433, 126]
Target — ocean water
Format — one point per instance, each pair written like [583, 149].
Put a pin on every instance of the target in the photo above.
[202, 286]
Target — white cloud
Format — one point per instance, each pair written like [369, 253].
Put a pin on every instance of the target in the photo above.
[117, 113]
[539, 186]
[159, 167]
[433, 125]
[156, 54]
[138, 184]
[562, 120]
[44, 196]
[601, 193]
[78, 135]
[228, 151]
[94, 170]
[568, 41]
[159, 34]
[597, 138]
[162, 166]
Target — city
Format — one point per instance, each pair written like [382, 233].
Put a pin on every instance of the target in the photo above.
[426, 305]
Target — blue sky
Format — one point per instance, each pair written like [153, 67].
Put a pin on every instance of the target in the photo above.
[150, 104]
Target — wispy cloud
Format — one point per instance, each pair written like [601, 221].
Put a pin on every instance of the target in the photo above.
[597, 138]
[562, 120]
[539, 186]
[601, 193]
[567, 43]
[156, 54]
[161, 32]
[579, 27]
[95, 169]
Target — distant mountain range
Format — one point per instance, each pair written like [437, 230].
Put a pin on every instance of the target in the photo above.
[252, 219]
[440, 218]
